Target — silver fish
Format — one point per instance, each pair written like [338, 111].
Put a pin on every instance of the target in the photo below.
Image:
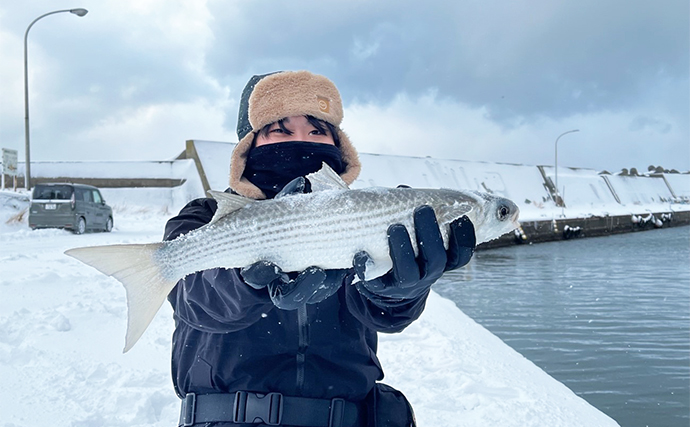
[324, 228]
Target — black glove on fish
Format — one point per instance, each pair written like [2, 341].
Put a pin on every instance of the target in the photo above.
[291, 291]
[309, 286]
[411, 277]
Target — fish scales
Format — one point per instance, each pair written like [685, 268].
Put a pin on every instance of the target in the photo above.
[306, 234]
[325, 228]
[291, 231]
[245, 239]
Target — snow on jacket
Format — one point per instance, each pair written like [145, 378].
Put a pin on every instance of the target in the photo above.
[230, 337]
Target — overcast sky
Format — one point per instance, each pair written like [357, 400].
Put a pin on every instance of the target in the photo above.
[463, 79]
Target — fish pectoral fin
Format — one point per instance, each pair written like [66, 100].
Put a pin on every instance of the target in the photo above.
[326, 179]
[227, 203]
[449, 213]
[369, 267]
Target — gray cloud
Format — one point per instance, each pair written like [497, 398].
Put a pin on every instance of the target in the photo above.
[502, 71]
[108, 74]
[642, 123]
[84, 71]
[516, 58]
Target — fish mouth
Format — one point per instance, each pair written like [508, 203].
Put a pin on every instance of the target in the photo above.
[515, 218]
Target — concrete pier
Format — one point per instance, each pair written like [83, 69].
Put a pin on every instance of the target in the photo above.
[594, 226]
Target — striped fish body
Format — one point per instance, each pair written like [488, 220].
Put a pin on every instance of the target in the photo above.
[325, 228]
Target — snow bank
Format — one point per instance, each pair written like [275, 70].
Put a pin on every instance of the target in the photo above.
[523, 185]
[215, 158]
[586, 193]
[582, 189]
[168, 199]
[14, 206]
[680, 185]
[640, 190]
[101, 169]
[62, 327]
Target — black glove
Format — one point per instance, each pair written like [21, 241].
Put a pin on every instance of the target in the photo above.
[411, 277]
[310, 286]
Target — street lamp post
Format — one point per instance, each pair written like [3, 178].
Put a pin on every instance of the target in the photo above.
[556, 164]
[27, 166]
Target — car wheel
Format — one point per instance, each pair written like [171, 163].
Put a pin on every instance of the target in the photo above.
[109, 225]
[81, 226]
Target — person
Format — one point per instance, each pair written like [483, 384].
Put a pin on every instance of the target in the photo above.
[258, 346]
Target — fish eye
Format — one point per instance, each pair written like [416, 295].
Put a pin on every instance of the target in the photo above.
[503, 212]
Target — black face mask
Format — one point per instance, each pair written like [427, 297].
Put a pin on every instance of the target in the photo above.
[271, 166]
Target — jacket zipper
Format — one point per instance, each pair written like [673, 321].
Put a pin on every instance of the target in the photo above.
[303, 323]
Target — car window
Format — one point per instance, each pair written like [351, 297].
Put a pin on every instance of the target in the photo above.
[79, 194]
[87, 196]
[96, 196]
[54, 192]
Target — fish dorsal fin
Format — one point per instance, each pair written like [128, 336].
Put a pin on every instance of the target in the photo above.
[326, 179]
[449, 213]
[227, 203]
[296, 186]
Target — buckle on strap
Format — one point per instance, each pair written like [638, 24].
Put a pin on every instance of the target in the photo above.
[337, 412]
[188, 410]
[257, 408]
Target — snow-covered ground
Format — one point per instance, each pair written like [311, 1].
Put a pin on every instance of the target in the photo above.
[62, 327]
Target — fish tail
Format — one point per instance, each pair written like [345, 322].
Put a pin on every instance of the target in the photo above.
[136, 267]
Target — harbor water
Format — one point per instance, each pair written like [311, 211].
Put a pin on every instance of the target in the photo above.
[608, 316]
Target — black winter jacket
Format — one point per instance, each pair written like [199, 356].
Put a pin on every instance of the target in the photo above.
[229, 336]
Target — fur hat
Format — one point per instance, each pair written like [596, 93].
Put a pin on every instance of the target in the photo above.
[270, 97]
